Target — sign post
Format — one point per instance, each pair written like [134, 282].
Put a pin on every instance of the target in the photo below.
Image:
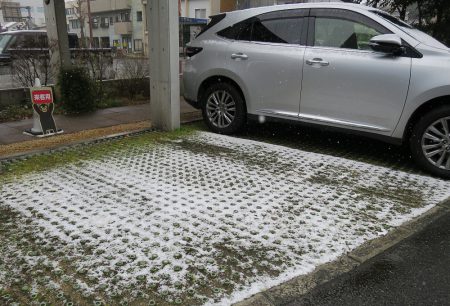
[43, 106]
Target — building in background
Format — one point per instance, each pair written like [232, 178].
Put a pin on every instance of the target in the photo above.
[10, 16]
[198, 9]
[115, 23]
[11, 11]
[35, 9]
[22, 14]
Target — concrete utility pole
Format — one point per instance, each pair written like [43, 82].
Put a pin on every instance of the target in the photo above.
[55, 18]
[164, 64]
[90, 22]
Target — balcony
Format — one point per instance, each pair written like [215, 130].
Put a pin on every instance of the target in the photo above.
[108, 6]
[123, 28]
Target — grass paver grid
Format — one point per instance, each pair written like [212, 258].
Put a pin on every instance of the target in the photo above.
[195, 219]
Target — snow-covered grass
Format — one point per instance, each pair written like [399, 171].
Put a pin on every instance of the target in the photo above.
[195, 219]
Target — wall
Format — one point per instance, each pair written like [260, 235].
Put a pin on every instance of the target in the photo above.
[227, 5]
[110, 5]
[37, 11]
[15, 96]
[189, 11]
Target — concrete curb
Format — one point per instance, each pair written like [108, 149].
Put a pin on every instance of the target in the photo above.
[301, 285]
[186, 118]
[63, 147]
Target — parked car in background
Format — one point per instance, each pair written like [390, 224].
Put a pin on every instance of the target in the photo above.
[18, 40]
[344, 66]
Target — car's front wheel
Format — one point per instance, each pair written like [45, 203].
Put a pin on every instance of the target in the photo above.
[223, 108]
[430, 141]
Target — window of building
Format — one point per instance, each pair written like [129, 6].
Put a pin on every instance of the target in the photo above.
[74, 24]
[95, 42]
[104, 22]
[138, 46]
[125, 17]
[70, 11]
[105, 42]
[138, 16]
[111, 20]
[95, 22]
[200, 13]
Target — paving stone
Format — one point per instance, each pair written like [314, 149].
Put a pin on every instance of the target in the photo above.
[205, 218]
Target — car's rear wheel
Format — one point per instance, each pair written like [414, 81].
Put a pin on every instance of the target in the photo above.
[223, 108]
[430, 141]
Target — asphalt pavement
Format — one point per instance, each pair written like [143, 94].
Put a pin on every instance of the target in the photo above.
[414, 272]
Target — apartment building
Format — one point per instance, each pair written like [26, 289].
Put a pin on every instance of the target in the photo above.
[198, 9]
[115, 23]
[36, 11]
[10, 11]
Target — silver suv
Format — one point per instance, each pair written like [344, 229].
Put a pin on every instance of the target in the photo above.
[341, 65]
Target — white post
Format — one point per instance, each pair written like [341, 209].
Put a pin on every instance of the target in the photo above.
[164, 64]
[36, 129]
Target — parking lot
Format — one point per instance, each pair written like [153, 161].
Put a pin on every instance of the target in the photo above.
[197, 218]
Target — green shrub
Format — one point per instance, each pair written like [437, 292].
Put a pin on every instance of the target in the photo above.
[77, 91]
[15, 112]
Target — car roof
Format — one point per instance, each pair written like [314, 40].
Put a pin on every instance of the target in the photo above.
[22, 31]
[28, 31]
[303, 5]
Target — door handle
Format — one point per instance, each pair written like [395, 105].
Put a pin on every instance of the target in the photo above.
[318, 61]
[239, 55]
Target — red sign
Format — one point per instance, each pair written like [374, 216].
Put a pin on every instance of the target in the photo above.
[41, 95]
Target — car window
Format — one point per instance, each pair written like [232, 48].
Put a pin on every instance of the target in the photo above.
[24, 41]
[283, 30]
[239, 31]
[275, 27]
[4, 40]
[342, 33]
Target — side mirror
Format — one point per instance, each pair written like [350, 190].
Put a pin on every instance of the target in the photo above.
[387, 43]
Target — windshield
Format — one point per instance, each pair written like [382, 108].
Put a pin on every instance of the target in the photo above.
[4, 39]
[411, 31]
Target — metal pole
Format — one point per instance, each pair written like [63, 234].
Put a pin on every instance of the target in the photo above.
[29, 17]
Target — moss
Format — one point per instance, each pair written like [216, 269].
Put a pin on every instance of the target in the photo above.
[88, 152]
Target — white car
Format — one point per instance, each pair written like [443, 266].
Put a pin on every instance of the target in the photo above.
[346, 66]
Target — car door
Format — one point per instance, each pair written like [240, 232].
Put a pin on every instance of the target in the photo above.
[345, 83]
[267, 55]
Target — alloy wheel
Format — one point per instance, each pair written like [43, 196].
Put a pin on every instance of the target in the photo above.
[436, 143]
[221, 109]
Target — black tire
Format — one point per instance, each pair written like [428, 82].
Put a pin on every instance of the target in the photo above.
[240, 113]
[417, 136]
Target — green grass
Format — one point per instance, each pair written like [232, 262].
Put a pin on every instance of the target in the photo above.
[88, 152]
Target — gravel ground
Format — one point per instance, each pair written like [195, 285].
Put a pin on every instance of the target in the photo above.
[189, 218]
